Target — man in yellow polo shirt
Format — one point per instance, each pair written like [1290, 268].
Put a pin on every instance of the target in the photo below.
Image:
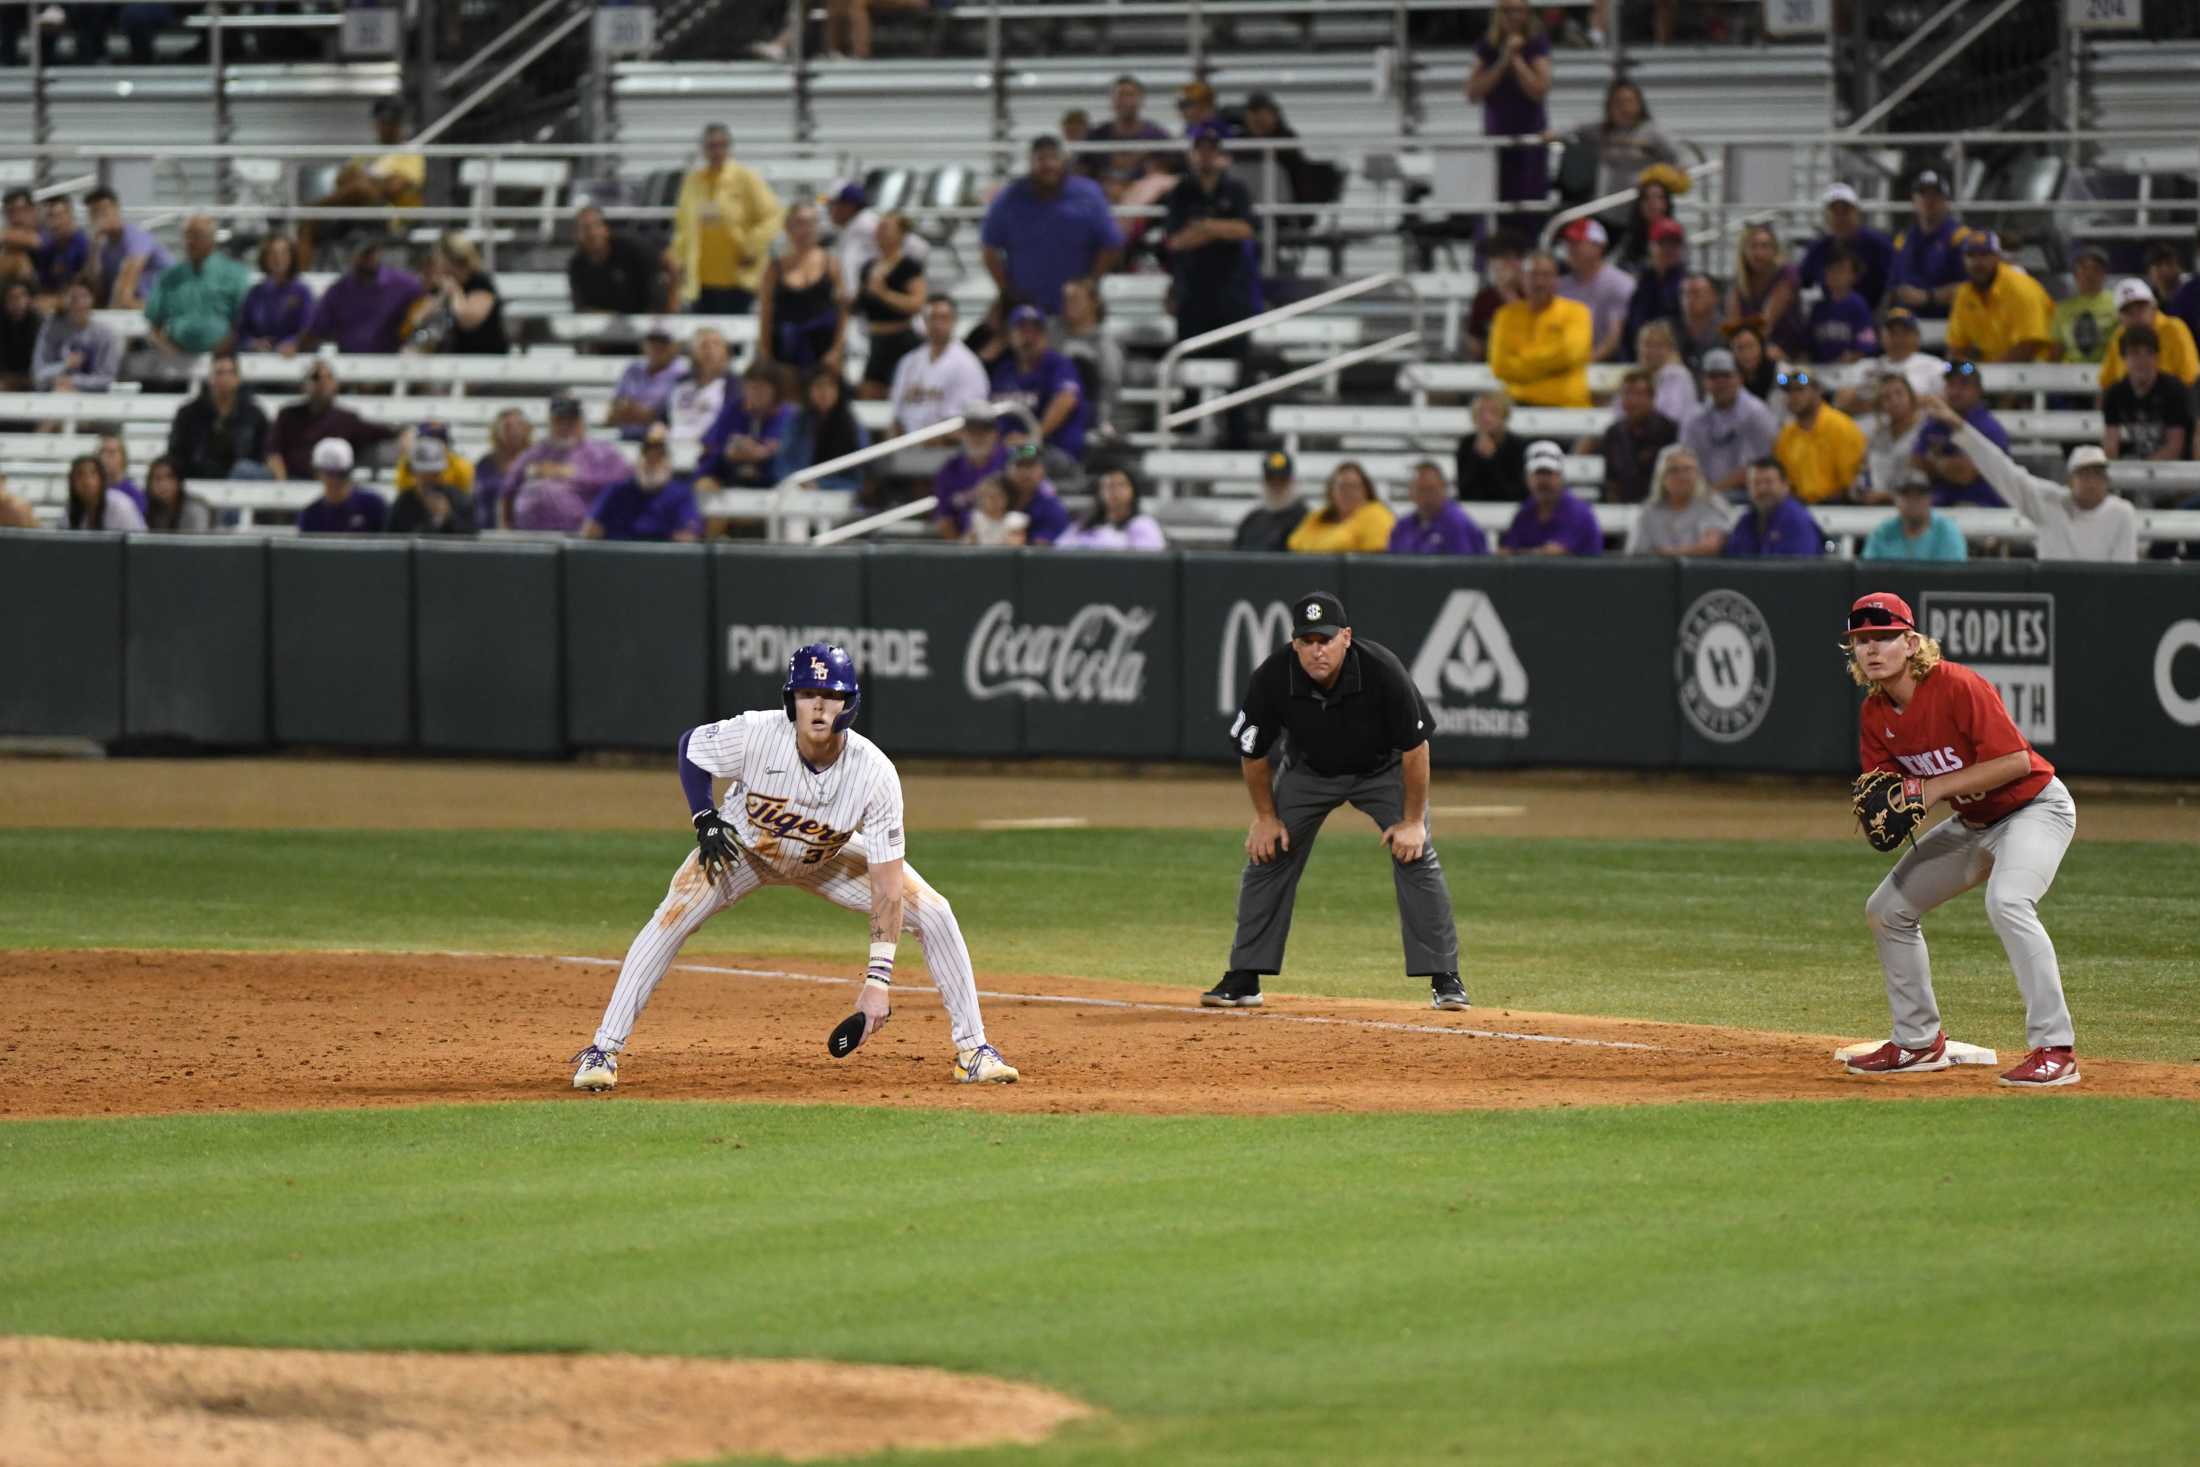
[1540, 346]
[2135, 307]
[1821, 448]
[722, 231]
[2001, 314]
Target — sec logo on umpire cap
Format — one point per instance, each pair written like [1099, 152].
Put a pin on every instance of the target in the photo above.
[1724, 666]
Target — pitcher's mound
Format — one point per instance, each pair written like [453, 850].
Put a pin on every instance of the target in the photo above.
[75, 1403]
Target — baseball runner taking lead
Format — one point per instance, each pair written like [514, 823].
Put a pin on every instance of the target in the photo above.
[1358, 734]
[1943, 731]
[813, 804]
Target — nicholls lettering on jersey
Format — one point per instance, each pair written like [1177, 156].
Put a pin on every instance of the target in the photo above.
[770, 813]
[1933, 761]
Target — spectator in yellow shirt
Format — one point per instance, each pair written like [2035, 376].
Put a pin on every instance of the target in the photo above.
[2001, 314]
[1821, 448]
[2135, 307]
[1540, 346]
[722, 231]
[1353, 519]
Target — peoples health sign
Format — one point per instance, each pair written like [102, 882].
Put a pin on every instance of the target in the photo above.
[2008, 638]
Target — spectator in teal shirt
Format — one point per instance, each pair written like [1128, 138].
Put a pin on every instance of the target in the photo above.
[194, 304]
[1917, 531]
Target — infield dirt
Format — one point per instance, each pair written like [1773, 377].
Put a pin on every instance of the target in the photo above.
[134, 1033]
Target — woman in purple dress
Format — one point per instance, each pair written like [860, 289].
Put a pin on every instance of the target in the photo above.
[275, 310]
[1511, 79]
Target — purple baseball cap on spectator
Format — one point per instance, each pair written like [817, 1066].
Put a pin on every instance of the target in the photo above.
[1207, 132]
[1026, 316]
[847, 191]
[1982, 242]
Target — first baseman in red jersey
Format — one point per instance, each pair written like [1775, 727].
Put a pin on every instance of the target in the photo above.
[1944, 725]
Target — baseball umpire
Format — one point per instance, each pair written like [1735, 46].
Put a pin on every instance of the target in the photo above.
[1355, 731]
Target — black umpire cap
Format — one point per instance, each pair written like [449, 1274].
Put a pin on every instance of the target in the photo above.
[1318, 612]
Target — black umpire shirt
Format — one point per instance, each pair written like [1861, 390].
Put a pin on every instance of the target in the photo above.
[1373, 714]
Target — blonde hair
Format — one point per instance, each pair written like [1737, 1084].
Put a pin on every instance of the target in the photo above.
[1666, 455]
[1745, 280]
[1504, 405]
[1924, 657]
[1496, 34]
[460, 251]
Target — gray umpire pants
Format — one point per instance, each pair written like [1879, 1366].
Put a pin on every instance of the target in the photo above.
[1266, 892]
[2017, 858]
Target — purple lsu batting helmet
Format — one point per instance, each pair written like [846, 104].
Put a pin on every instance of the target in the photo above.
[822, 667]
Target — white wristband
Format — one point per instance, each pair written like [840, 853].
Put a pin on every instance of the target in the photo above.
[883, 952]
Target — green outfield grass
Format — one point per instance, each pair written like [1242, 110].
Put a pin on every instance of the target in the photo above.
[2005, 1278]
[1757, 934]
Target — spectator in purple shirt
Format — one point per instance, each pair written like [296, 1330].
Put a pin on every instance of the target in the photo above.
[558, 481]
[1030, 492]
[1551, 521]
[1439, 524]
[1115, 172]
[1045, 230]
[1117, 520]
[646, 386]
[956, 485]
[1606, 290]
[510, 436]
[64, 249]
[2178, 292]
[1658, 289]
[1841, 322]
[655, 504]
[1511, 79]
[342, 507]
[363, 310]
[125, 257]
[1871, 251]
[278, 306]
[743, 443]
[1046, 382]
[1955, 479]
[1776, 522]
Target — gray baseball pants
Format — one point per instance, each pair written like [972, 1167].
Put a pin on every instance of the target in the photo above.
[1266, 892]
[2017, 858]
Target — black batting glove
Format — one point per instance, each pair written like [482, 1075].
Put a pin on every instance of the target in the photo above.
[716, 844]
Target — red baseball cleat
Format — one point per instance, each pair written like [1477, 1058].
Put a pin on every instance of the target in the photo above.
[2044, 1067]
[1892, 1059]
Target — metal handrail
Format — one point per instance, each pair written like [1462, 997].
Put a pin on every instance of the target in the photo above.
[496, 83]
[1250, 324]
[881, 449]
[1931, 68]
[1698, 171]
[856, 529]
[519, 27]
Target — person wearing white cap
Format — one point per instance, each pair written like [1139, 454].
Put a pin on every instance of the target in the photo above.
[2001, 314]
[1928, 254]
[1606, 290]
[342, 507]
[1551, 521]
[1845, 225]
[2081, 522]
[2148, 414]
[2135, 307]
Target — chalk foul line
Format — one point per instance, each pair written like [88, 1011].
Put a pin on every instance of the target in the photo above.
[1389, 1026]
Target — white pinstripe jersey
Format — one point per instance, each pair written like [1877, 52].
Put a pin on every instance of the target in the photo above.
[793, 819]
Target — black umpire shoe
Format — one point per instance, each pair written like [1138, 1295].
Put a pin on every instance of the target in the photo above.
[1238, 989]
[1445, 991]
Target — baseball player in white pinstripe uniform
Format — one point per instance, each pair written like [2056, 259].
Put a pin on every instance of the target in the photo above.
[810, 803]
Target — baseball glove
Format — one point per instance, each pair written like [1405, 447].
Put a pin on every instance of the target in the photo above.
[1888, 806]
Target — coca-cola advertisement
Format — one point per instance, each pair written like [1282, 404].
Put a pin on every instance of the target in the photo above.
[1091, 650]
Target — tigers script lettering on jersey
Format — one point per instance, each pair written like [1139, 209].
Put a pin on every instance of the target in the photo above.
[795, 819]
[1954, 720]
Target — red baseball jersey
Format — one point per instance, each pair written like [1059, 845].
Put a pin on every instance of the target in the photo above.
[1955, 719]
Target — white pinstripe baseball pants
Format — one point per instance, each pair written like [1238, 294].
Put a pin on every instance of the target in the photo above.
[694, 899]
